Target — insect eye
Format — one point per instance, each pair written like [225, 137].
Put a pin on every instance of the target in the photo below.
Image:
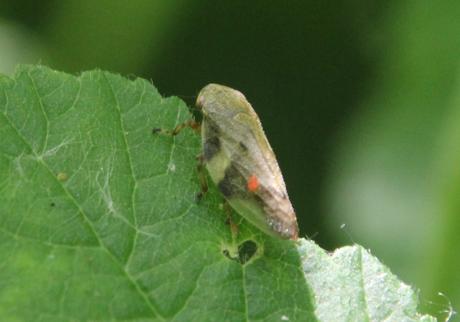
[199, 102]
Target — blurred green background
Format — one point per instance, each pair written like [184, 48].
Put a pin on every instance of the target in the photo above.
[360, 101]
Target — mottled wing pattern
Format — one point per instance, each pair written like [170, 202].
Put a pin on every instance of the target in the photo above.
[262, 162]
[236, 149]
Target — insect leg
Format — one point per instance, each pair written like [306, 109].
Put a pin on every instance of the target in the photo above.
[202, 177]
[190, 123]
[233, 226]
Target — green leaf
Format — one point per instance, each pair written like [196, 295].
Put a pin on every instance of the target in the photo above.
[352, 285]
[99, 219]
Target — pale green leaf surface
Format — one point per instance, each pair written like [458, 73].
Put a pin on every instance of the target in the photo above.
[99, 221]
[98, 217]
[352, 285]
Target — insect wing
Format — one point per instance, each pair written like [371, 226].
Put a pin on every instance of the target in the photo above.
[243, 165]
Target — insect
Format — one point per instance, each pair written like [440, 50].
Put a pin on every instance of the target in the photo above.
[241, 162]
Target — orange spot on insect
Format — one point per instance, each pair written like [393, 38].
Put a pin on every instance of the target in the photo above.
[253, 183]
